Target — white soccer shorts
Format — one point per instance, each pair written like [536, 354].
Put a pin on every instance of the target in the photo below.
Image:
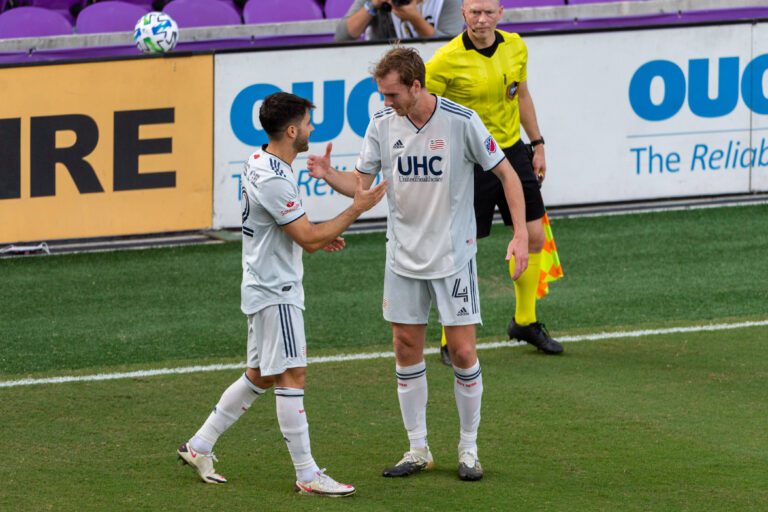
[408, 300]
[276, 339]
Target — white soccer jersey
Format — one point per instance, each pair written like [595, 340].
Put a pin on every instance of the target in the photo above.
[431, 221]
[272, 266]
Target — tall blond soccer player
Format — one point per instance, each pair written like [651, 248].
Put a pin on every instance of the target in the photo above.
[485, 69]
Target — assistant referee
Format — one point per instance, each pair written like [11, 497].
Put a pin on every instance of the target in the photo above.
[485, 69]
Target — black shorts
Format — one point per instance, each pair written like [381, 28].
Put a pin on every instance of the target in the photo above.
[489, 193]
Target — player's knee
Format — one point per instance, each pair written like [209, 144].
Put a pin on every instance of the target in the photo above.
[536, 236]
[292, 378]
[254, 375]
[404, 352]
[464, 356]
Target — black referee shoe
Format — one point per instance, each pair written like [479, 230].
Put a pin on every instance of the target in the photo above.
[534, 334]
[445, 356]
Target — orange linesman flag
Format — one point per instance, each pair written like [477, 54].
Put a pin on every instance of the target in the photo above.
[551, 270]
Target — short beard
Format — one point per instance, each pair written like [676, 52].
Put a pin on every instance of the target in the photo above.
[301, 145]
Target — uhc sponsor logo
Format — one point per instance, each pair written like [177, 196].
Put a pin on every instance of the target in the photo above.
[490, 145]
[419, 168]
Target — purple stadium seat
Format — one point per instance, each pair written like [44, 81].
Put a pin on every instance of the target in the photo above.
[275, 11]
[33, 22]
[64, 7]
[2, 5]
[143, 3]
[337, 8]
[109, 17]
[202, 13]
[511, 4]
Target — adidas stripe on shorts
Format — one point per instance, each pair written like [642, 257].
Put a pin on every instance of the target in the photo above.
[408, 300]
[276, 339]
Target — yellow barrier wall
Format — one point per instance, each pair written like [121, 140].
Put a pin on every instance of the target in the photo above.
[106, 148]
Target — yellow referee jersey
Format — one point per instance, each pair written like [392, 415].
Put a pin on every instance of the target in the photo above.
[487, 85]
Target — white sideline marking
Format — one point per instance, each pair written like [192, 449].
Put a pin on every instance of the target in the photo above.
[372, 355]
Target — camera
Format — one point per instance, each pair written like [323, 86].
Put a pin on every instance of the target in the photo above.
[386, 7]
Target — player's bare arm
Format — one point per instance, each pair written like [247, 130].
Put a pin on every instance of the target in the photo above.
[410, 12]
[359, 21]
[513, 191]
[312, 237]
[342, 182]
[531, 127]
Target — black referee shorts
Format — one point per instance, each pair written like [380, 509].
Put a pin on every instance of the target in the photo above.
[489, 193]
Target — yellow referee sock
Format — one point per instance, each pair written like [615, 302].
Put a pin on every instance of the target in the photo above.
[525, 289]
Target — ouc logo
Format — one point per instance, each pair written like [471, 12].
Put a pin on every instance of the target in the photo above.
[334, 94]
[750, 84]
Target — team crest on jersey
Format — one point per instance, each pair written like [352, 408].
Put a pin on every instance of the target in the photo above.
[245, 207]
[436, 144]
[490, 145]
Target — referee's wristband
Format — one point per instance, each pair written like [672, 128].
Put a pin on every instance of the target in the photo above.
[368, 6]
[536, 142]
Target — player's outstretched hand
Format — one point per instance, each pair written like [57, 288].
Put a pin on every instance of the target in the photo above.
[364, 200]
[335, 245]
[518, 249]
[320, 165]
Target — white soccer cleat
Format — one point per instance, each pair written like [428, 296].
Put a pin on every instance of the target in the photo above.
[414, 461]
[203, 463]
[470, 469]
[323, 485]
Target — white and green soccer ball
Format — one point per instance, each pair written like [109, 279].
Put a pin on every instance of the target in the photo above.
[156, 32]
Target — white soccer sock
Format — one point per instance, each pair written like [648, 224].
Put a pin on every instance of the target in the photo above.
[468, 390]
[295, 428]
[233, 403]
[412, 394]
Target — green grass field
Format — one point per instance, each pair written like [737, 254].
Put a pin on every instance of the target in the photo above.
[662, 422]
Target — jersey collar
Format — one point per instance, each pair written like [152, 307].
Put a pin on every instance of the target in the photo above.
[264, 150]
[437, 104]
[486, 52]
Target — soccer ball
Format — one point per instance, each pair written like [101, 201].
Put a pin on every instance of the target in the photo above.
[156, 32]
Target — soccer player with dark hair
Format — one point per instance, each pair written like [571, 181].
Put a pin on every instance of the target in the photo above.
[485, 69]
[426, 147]
[276, 231]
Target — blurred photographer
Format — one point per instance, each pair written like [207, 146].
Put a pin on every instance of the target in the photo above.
[400, 19]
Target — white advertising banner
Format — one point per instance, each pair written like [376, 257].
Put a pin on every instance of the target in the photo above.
[644, 114]
[336, 80]
[759, 103]
[629, 115]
